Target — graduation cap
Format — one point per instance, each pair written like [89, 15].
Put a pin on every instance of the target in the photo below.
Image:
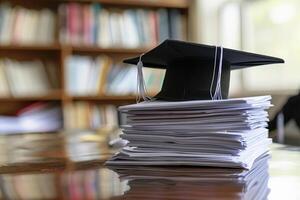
[196, 71]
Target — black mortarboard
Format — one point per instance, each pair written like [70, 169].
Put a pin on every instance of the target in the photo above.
[190, 68]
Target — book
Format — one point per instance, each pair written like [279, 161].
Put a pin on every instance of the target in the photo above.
[91, 24]
[123, 83]
[122, 80]
[4, 87]
[87, 17]
[130, 31]
[177, 24]
[163, 25]
[88, 76]
[26, 78]
[91, 116]
[21, 25]
[104, 30]
[45, 28]
[152, 21]
[62, 23]
[115, 26]
[104, 64]
[74, 26]
[6, 30]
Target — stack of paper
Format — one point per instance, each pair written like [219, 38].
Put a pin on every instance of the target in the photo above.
[196, 183]
[220, 133]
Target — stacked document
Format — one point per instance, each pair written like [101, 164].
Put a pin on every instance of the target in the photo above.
[219, 133]
[195, 182]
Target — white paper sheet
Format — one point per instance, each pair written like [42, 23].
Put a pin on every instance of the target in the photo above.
[222, 133]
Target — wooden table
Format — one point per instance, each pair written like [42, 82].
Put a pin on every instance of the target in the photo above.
[92, 180]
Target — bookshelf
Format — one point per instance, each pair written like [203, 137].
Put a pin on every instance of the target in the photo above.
[180, 4]
[58, 51]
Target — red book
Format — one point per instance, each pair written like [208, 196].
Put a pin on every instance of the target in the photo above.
[17, 25]
[74, 22]
[153, 27]
[87, 15]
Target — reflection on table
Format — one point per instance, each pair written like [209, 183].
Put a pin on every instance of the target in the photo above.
[78, 184]
[64, 178]
[90, 180]
[196, 182]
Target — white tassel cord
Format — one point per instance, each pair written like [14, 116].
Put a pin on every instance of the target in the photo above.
[213, 76]
[141, 86]
[218, 92]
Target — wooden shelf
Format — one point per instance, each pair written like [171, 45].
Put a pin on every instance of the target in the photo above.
[58, 97]
[180, 4]
[49, 97]
[145, 3]
[58, 53]
[92, 49]
[104, 98]
[74, 49]
[125, 98]
[14, 47]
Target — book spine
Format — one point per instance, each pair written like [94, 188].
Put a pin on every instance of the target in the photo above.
[129, 28]
[20, 25]
[26, 77]
[89, 24]
[93, 116]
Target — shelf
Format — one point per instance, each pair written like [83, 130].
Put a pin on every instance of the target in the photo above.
[58, 52]
[104, 98]
[180, 4]
[74, 49]
[125, 98]
[91, 49]
[50, 97]
[56, 97]
[14, 47]
[146, 3]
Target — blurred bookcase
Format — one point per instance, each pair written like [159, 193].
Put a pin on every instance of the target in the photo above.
[61, 46]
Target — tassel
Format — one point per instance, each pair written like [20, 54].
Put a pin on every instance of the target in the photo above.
[218, 91]
[141, 86]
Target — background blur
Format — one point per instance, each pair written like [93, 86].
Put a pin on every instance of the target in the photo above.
[62, 79]
[268, 27]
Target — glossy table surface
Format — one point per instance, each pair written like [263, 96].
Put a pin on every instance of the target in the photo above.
[93, 180]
